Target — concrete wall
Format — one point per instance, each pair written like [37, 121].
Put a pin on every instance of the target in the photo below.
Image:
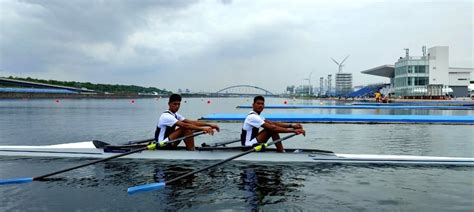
[459, 78]
[439, 65]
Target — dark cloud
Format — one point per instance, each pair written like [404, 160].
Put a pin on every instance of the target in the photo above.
[44, 36]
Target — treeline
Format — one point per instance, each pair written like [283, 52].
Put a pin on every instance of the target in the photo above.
[118, 89]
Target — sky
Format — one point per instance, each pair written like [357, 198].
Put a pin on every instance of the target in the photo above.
[205, 46]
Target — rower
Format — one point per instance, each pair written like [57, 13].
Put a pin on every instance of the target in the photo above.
[378, 96]
[250, 130]
[172, 125]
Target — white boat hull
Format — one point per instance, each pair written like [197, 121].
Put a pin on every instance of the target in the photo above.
[88, 150]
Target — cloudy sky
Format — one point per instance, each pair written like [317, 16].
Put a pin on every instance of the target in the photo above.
[209, 45]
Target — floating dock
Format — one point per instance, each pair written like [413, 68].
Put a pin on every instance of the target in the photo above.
[373, 106]
[347, 118]
[422, 103]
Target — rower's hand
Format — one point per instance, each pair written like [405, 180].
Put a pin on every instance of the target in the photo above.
[208, 130]
[300, 131]
[215, 127]
[297, 126]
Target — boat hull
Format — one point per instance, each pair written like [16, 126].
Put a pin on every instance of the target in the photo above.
[88, 150]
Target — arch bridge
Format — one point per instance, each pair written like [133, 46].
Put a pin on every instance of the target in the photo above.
[243, 90]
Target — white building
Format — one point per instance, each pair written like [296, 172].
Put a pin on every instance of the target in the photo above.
[343, 83]
[427, 75]
[304, 90]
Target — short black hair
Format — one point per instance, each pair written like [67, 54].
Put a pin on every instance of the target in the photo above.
[258, 98]
[175, 97]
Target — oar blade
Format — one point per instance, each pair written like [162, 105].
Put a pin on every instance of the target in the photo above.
[16, 181]
[146, 187]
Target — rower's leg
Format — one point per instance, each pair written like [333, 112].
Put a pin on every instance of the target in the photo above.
[279, 145]
[176, 134]
[264, 135]
[189, 141]
[180, 132]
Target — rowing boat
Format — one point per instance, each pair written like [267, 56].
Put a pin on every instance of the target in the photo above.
[98, 149]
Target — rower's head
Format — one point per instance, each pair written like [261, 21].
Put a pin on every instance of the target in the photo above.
[258, 104]
[174, 103]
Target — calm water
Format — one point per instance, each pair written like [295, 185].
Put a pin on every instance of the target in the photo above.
[236, 185]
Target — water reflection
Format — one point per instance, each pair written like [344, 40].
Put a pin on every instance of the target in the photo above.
[236, 185]
[265, 185]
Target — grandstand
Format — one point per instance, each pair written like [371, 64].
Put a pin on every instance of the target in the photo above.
[368, 91]
[21, 86]
[37, 90]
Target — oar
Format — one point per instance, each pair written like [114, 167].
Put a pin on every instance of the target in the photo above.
[219, 144]
[155, 186]
[149, 147]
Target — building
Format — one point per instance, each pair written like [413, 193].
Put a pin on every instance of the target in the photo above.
[321, 86]
[426, 75]
[290, 89]
[343, 84]
[329, 86]
[8, 85]
[304, 90]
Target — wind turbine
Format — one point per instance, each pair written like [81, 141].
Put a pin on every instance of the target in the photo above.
[340, 64]
[309, 83]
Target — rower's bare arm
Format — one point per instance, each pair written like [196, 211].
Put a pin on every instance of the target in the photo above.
[285, 125]
[202, 124]
[188, 125]
[278, 129]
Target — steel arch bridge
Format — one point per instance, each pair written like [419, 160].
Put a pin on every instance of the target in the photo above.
[243, 90]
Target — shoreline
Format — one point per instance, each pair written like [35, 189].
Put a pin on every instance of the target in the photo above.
[74, 96]
[136, 96]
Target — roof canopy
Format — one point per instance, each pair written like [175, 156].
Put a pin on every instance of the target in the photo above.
[383, 71]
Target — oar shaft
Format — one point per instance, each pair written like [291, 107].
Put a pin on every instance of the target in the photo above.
[87, 164]
[228, 159]
[154, 186]
[211, 166]
[279, 140]
[112, 157]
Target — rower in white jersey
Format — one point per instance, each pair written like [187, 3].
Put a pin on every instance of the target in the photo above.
[250, 130]
[173, 125]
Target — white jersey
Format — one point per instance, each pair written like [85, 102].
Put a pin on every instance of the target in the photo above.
[252, 123]
[167, 124]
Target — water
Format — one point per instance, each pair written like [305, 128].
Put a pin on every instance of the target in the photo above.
[235, 185]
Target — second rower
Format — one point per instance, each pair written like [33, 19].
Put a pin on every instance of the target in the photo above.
[251, 136]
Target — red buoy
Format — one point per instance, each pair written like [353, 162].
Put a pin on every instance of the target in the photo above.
[285, 102]
[133, 101]
[208, 101]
